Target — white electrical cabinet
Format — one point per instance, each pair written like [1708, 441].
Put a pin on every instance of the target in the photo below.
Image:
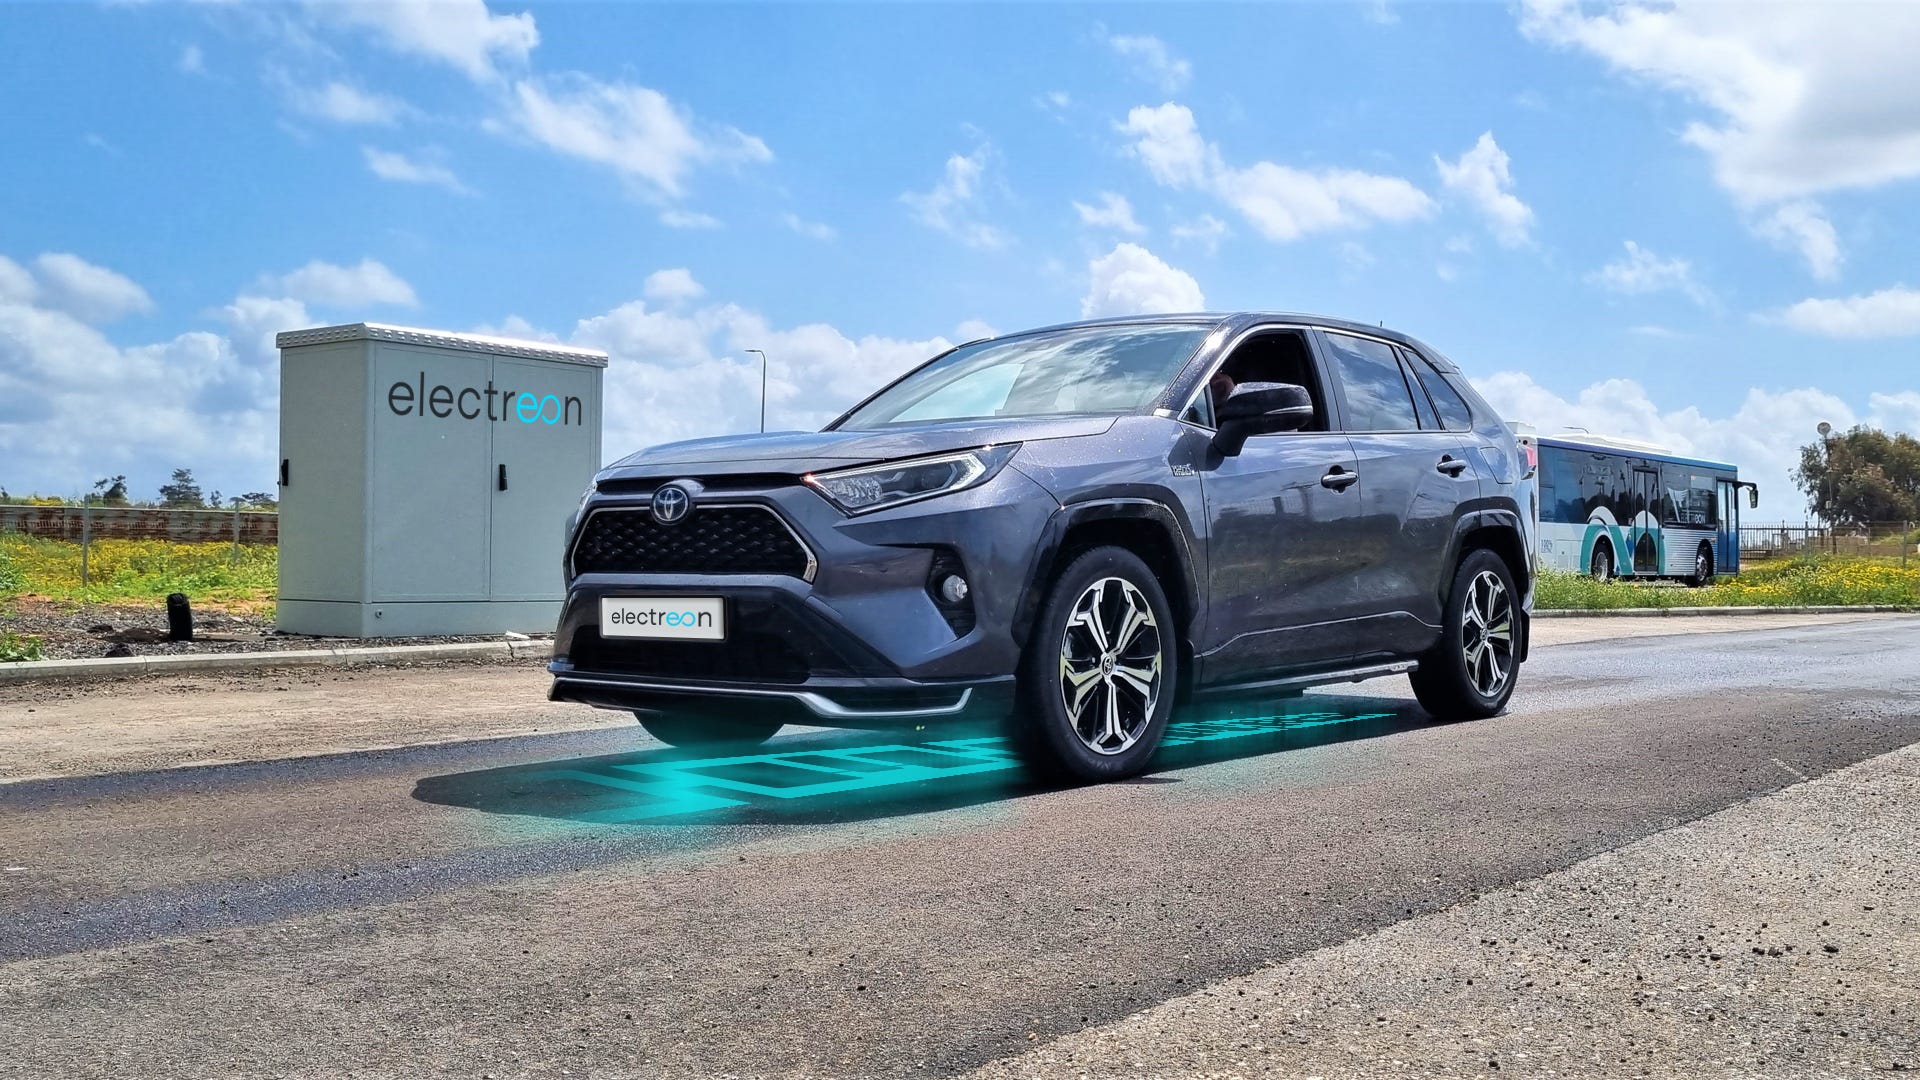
[426, 478]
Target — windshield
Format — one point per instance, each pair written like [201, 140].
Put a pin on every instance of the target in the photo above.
[1106, 369]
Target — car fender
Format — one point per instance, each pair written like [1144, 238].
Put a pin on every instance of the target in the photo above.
[1184, 589]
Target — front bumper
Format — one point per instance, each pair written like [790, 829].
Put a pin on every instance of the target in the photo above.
[860, 644]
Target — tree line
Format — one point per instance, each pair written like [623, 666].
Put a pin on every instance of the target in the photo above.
[180, 492]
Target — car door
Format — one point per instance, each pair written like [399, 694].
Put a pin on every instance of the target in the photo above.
[1279, 517]
[1414, 476]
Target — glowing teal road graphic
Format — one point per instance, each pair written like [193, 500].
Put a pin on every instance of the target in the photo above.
[668, 788]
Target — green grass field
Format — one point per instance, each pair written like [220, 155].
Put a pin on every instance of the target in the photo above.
[1802, 582]
[123, 571]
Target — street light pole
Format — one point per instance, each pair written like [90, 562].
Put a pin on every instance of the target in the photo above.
[763, 388]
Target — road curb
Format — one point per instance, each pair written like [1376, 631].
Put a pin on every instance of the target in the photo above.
[1617, 613]
[120, 666]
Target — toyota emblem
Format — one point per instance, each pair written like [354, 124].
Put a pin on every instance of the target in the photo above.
[671, 503]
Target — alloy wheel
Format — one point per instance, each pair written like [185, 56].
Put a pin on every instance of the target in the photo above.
[1487, 633]
[1110, 665]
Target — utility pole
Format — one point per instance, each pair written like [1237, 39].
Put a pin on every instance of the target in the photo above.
[763, 388]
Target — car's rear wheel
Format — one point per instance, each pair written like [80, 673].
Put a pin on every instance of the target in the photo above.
[1470, 673]
[1097, 680]
[708, 730]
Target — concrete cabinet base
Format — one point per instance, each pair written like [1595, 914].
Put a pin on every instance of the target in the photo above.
[426, 479]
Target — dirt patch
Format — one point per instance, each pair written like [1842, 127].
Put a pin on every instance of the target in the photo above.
[79, 631]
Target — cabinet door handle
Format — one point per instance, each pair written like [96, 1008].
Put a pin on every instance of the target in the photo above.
[283, 472]
[503, 477]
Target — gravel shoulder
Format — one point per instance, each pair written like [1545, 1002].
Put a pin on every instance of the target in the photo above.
[1777, 938]
[76, 631]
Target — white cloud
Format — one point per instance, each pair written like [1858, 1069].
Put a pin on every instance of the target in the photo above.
[684, 373]
[192, 61]
[1054, 103]
[1640, 271]
[672, 287]
[74, 406]
[1153, 61]
[1763, 436]
[1114, 212]
[688, 219]
[1130, 280]
[1888, 313]
[1380, 14]
[1354, 257]
[1806, 98]
[92, 293]
[398, 167]
[814, 230]
[634, 130]
[330, 285]
[1205, 230]
[954, 204]
[1801, 227]
[1281, 202]
[1483, 178]
[16, 284]
[344, 103]
[513, 326]
[461, 33]
[257, 319]
[974, 329]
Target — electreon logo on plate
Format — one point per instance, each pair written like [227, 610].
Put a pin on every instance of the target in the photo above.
[471, 403]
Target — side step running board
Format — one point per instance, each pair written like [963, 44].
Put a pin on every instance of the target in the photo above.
[1323, 678]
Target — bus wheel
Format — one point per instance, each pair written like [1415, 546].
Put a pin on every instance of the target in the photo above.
[1702, 567]
[1600, 567]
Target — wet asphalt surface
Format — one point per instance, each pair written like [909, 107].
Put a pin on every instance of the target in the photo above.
[847, 903]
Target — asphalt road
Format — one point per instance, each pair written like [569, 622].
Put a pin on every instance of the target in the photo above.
[846, 903]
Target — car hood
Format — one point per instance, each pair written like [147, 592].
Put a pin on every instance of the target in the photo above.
[793, 453]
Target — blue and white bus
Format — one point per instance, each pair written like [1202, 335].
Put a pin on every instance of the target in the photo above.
[1617, 508]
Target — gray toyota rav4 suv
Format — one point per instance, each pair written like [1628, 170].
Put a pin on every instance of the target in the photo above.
[1071, 530]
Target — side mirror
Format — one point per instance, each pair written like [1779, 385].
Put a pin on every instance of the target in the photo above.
[1256, 408]
[1753, 496]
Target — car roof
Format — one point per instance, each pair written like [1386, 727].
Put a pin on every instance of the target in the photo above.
[1238, 320]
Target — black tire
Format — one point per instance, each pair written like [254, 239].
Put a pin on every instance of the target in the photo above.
[708, 730]
[1063, 644]
[1702, 567]
[1453, 681]
[1601, 565]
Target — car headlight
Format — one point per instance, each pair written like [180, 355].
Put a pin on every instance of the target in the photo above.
[877, 487]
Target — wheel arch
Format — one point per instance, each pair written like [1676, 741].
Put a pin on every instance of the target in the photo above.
[1145, 527]
[1499, 532]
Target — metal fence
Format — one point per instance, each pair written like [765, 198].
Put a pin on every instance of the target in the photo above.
[1885, 539]
[87, 524]
[142, 523]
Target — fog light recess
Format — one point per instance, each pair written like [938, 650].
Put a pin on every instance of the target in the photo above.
[947, 585]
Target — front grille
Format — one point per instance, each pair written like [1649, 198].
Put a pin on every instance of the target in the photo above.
[709, 540]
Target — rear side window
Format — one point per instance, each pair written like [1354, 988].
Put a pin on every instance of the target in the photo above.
[1453, 408]
[1377, 398]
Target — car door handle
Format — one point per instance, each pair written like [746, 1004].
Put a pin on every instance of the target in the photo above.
[1451, 465]
[1339, 479]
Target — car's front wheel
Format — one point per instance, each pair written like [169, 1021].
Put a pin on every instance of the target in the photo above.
[704, 730]
[1098, 676]
[1471, 672]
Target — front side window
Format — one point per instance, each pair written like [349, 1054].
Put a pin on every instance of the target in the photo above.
[1107, 369]
[1377, 397]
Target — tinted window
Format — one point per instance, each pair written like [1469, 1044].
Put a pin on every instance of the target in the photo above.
[1104, 370]
[1453, 408]
[1428, 422]
[1377, 398]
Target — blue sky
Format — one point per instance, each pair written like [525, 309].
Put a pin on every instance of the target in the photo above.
[1691, 224]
